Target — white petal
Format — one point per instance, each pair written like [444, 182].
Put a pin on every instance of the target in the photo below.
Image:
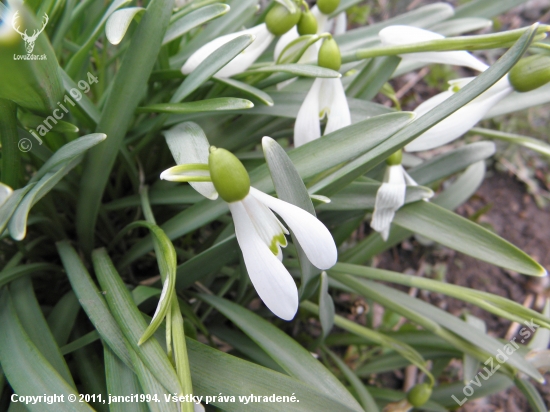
[307, 127]
[241, 62]
[5, 192]
[267, 225]
[162, 296]
[188, 144]
[541, 340]
[540, 359]
[323, 24]
[333, 100]
[459, 122]
[400, 35]
[340, 24]
[270, 278]
[389, 198]
[118, 23]
[284, 41]
[313, 236]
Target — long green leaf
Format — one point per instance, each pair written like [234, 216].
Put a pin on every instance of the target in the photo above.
[21, 359]
[461, 234]
[209, 105]
[32, 319]
[126, 92]
[211, 65]
[121, 381]
[194, 19]
[132, 323]
[290, 355]
[215, 371]
[92, 302]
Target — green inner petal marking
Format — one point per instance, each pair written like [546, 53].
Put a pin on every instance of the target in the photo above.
[280, 239]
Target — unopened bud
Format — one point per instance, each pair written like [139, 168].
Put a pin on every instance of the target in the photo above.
[279, 20]
[228, 175]
[419, 394]
[307, 24]
[530, 73]
[329, 55]
[327, 6]
[395, 158]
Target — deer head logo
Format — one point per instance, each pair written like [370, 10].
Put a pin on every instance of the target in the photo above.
[29, 40]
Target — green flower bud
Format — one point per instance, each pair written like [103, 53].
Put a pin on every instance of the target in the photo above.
[279, 20]
[419, 394]
[395, 158]
[307, 24]
[328, 6]
[530, 73]
[329, 55]
[228, 174]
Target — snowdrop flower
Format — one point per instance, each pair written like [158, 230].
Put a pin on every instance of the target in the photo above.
[391, 195]
[325, 98]
[240, 63]
[459, 122]
[259, 233]
[402, 35]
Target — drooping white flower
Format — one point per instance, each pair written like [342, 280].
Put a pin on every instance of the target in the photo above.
[459, 122]
[259, 233]
[401, 35]
[325, 98]
[389, 198]
[240, 63]
[5, 193]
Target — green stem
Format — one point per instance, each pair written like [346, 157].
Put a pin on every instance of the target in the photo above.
[11, 155]
[481, 42]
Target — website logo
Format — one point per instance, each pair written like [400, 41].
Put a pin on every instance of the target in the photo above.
[29, 40]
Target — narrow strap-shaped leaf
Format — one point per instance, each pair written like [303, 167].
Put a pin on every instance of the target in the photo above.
[194, 19]
[21, 359]
[32, 319]
[121, 381]
[92, 302]
[12, 273]
[461, 234]
[247, 89]
[367, 401]
[126, 92]
[150, 385]
[209, 105]
[428, 314]
[304, 70]
[532, 394]
[132, 323]
[63, 316]
[289, 354]
[18, 222]
[68, 152]
[290, 188]
[211, 368]
[211, 65]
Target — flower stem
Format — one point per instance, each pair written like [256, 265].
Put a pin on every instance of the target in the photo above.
[11, 156]
[481, 42]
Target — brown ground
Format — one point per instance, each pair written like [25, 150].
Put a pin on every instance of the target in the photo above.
[514, 216]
